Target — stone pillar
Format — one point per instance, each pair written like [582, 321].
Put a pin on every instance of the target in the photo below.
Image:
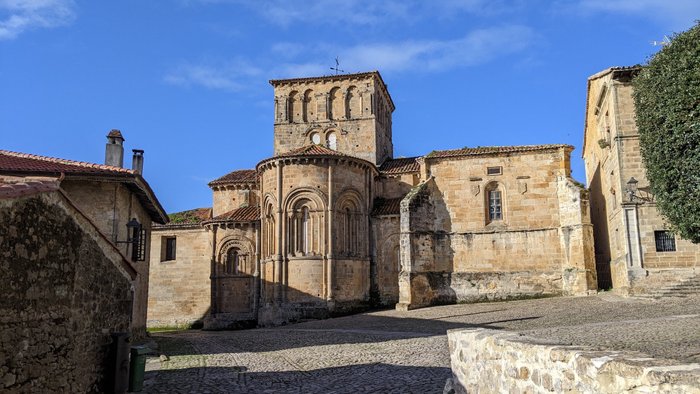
[256, 274]
[330, 281]
[212, 276]
[280, 243]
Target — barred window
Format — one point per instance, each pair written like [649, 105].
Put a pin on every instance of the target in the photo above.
[665, 241]
[138, 252]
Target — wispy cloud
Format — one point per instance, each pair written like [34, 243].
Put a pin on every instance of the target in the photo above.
[17, 16]
[477, 47]
[231, 76]
[414, 56]
[343, 13]
[679, 14]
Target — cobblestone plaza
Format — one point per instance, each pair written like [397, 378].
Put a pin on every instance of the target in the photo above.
[406, 352]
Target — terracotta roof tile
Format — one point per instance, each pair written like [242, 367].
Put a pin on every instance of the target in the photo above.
[490, 150]
[192, 216]
[400, 166]
[238, 176]
[311, 150]
[384, 206]
[26, 187]
[14, 162]
[245, 214]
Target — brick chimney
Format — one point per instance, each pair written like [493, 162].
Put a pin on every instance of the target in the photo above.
[137, 162]
[114, 153]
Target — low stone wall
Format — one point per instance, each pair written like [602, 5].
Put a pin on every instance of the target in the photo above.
[490, 361]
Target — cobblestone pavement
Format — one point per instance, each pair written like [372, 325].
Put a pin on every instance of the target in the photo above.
[406, 352]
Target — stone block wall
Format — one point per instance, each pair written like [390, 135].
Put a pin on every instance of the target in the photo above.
[491, 361]
[386, 233]
[64, 291]
[111, 206]
[180, 289]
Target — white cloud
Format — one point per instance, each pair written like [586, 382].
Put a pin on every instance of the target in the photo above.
[679, 14]
[232, 76]
[416, 56]
[341, 13]
[477, 47]
[17, 16]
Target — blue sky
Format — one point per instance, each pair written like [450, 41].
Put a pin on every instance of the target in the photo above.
[186, 80]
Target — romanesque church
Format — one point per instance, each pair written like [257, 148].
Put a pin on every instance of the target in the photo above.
[333, 223]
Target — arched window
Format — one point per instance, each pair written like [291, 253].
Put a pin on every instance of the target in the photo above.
[348, 231]
[304, 230]
[331, 141]
[295, 109]
[309, 106]
[494, 203]
[232, 261]
[336, 111]
[352, 103]
[315, 138]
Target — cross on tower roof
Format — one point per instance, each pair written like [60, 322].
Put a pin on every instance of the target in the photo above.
[337, 66]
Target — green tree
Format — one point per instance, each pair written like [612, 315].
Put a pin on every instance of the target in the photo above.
[667, 102]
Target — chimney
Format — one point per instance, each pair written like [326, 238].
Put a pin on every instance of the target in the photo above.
[137, 162]
[114, 154]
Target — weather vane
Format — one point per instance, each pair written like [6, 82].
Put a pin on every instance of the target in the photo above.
[337, 66]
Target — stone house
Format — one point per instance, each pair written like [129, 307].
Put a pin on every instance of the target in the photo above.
[635, 252]
[117, 200]
[332, 223]
[65, 288]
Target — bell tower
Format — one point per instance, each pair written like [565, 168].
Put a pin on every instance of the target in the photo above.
[350, 113]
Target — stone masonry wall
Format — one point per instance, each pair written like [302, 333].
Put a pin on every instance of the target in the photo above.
[111, 206]
[491, 361]
[63, 293]
[180, 289]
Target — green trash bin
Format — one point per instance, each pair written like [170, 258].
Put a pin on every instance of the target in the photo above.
[137, 367]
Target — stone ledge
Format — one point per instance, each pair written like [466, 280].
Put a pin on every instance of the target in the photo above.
[484, 360]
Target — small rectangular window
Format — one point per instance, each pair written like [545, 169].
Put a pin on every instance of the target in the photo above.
[495, 212]
[665, 241]
[494, 170]
[168, 249]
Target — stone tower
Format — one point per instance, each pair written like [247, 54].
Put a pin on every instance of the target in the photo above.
[349, 113]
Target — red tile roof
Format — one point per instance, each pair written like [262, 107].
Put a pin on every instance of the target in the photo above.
[384, 206]
[399, 166]
[238, 176]
[192, 216]
[491, 150]
[311, 150]
[21, 187]
[245, 214]
[14, 162]
[25, 164]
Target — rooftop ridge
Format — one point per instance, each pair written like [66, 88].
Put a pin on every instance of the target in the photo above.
[485, 150]
[50, 159]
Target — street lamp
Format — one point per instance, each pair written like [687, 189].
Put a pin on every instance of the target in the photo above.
[132, 230]
[632, 189]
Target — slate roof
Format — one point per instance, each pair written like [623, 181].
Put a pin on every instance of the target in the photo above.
[387, 206]
[245, 214]
[238, 176]
[400, 166]
[25, 164]
[491, 150]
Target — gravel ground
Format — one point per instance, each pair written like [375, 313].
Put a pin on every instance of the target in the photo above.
[406, 352]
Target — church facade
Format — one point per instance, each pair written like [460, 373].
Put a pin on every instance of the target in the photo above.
[332, 223]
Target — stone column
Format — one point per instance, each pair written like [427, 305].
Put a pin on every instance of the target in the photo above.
[329, 257]
[212, 276]
[280, 243]
[256, 274]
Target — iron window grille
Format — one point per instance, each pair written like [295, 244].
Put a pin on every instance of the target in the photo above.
[665, 241]
[138, 251]
[495, 211]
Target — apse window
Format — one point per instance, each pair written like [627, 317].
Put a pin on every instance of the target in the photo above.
[168, 248]
[494, 170]
[665, 241]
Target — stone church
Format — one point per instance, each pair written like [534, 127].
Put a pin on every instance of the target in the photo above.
[333, 223]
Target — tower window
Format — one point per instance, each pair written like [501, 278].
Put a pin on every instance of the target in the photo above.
[316, 138]
[331, 141]
[665, 241]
